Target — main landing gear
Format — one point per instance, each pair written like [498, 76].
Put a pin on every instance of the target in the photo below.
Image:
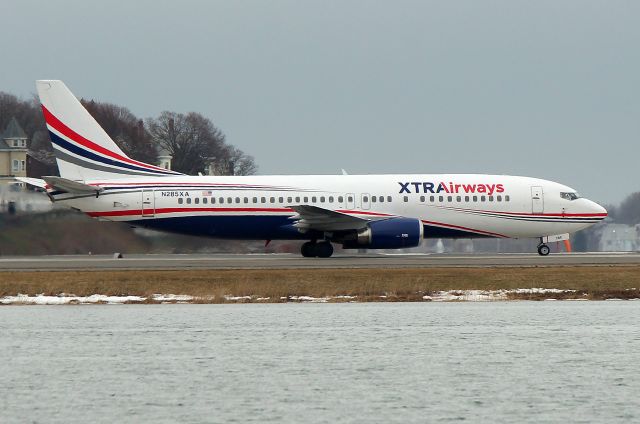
[311, 249]
[543, 249]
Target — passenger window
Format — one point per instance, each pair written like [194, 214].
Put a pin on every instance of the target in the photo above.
[246, 200]
[297, 199]
[213, 200]
[350, 198]
[491, 198]
[499, 198]
[507, 198]
[321, 199]
[381, 199]
[458, 199]
[340, 199]
[373, 199]
[289, 200]
[475, 198]
[255, 200]
[483, 198]
[280, 199]
[432, 199]
[229, 200]
[188, 200]
[330, 199]
[237, 200]
[388, 198]
[306, 199]
[365, 199]
[205, 200]
[406, 198]
[449, 198]
[221, 200]
[263, 200]
[196, 200]
[441, 199]
[466, 198]
[422, 199]
[314, 199]
[272, 200]
[180, 201]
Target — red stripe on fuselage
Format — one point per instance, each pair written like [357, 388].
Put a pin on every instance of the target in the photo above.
[178, 210]
[564, 215]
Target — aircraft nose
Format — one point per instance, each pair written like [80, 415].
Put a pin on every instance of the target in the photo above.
[596, 208]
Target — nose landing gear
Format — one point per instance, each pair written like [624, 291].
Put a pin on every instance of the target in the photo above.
[543, 249]
[311, 249]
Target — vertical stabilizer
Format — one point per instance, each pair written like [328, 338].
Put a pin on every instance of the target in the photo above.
[82, 148]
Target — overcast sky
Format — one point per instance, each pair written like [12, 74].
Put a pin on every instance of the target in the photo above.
[547, 88]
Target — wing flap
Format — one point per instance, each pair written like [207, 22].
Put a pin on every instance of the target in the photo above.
[320, 219]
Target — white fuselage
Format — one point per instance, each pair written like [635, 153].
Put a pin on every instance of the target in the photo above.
[258, 207]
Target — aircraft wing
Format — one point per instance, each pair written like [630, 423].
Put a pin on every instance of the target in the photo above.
[320, 219]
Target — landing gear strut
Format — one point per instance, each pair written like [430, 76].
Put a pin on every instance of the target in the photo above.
[311, 249]
[543, 249]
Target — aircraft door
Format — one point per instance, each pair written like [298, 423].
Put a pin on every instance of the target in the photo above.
[351, 201]
[537, 199]
[148, 203]
[366, 201]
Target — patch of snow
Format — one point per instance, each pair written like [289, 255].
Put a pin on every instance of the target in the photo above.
[236, 298]
[41, 299]
[469, 295]
[540, 290]
[309, 299]
[171, 297]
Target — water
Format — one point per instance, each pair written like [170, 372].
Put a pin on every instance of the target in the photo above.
[354, 363]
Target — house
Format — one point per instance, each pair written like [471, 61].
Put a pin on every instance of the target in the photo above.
[13, 151]
[164, 157]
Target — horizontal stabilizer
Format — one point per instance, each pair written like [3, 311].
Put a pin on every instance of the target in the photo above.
[70, 186]
[36, 182]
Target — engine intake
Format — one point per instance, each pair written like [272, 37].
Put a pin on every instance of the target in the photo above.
[392, 233]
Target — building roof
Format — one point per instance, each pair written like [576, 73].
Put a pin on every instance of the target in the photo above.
[13, 130]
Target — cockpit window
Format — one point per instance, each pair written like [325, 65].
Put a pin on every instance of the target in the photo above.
[570, 196]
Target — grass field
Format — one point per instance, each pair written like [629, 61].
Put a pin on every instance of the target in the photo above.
[217, 286]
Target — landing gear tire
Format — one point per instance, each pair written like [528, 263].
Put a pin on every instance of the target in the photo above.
[543, 250]
[308, 249]
[324, 249]
[312, 249]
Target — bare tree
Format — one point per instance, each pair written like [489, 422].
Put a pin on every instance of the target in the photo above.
[192, 140]
[27, 112]
[124, 128]
[235, 162]
[629, 210]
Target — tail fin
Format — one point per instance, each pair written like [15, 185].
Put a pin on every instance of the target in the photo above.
[82, 148]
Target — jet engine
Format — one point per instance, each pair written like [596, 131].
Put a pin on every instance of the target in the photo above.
[392, 233]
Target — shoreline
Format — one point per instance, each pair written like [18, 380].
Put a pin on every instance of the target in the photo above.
[326, 285]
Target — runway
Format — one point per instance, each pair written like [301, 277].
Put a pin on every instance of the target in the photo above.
[293, 261]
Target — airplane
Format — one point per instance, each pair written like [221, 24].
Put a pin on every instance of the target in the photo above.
[356, 211]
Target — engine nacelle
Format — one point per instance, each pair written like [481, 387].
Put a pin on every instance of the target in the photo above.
[392, 233]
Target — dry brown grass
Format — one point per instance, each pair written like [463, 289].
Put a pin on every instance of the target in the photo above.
[593, 282]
